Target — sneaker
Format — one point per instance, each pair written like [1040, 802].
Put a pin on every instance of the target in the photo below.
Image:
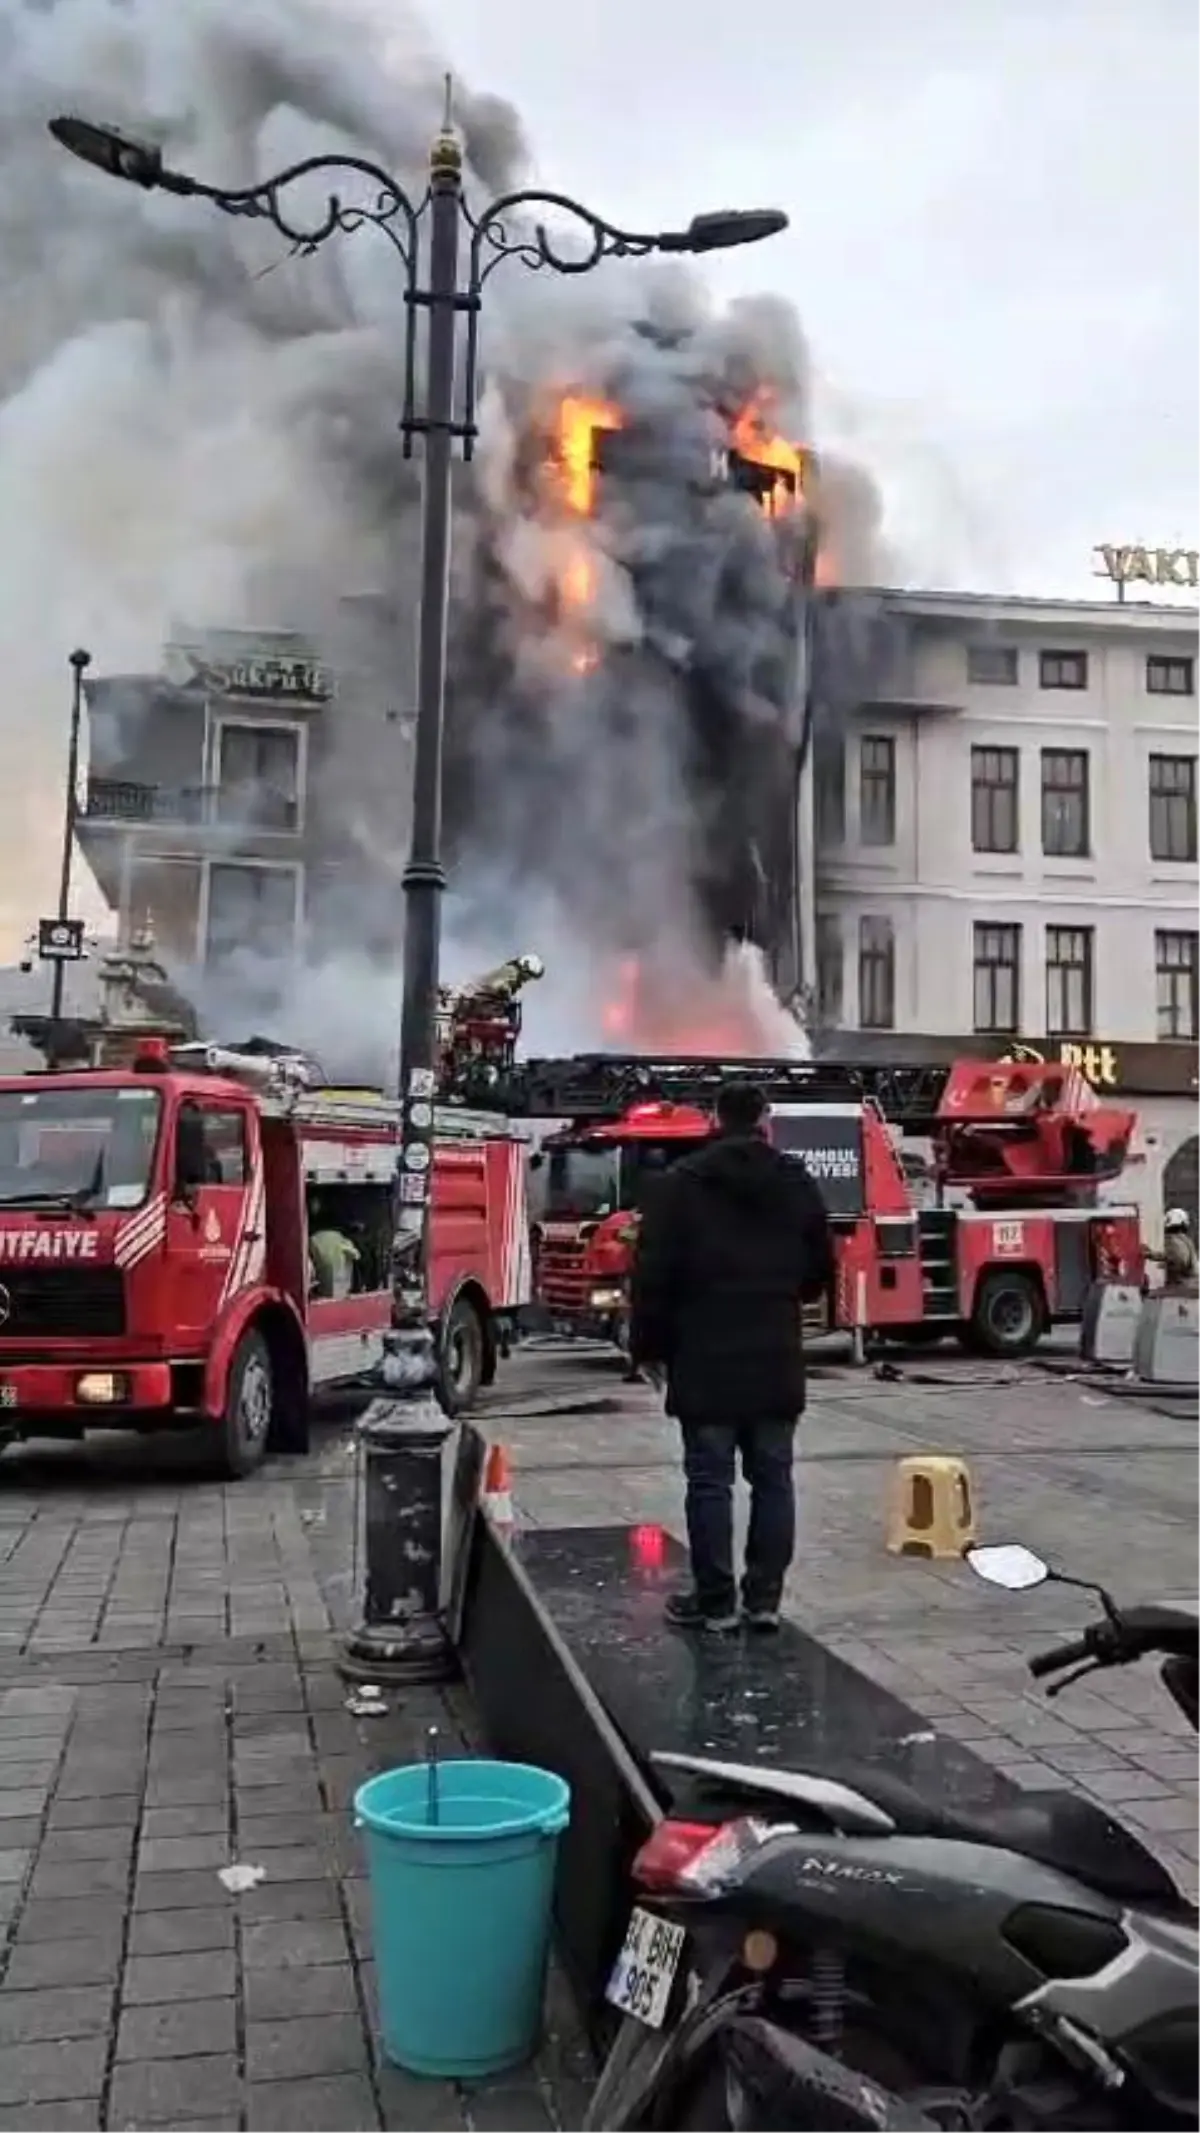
[765, 1620]
[685, 1610]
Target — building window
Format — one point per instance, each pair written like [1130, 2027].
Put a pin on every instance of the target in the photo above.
[1062, 670]
[829, 777]
[258, 775]
[992, 666]
[1171, 677]
[995, 795]
[876, 974]
[1069, 957]
[1175, 968]
[251, 909]
[1066, 825]
[877, 790]
[1173, 807]
[830, 970]
[998, 978]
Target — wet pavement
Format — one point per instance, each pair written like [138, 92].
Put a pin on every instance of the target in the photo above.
[1102, 1487]
[168, 1705]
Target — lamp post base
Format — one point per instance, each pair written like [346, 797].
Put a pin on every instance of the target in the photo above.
[401, 1636]
[407, 1654]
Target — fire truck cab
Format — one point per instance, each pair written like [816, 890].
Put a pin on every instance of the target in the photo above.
[155, 1223]
[1010, 1244]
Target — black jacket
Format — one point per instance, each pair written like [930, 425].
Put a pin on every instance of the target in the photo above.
[733, 1241]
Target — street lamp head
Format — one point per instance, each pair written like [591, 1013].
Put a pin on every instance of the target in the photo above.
[732, 226]
[80, 659]
[108, 150]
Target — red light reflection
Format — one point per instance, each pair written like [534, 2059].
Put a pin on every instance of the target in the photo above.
[648, 1547]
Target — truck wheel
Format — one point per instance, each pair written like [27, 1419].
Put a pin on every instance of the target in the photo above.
[1009, 1316]
[249, 1399]
[460, 1358]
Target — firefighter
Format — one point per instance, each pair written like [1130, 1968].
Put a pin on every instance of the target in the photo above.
[332, 1256]
[1178, 1255]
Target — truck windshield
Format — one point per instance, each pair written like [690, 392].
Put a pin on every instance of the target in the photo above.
[831, 1150]
[645, 1164]
[583, 1183]
[77, 1147]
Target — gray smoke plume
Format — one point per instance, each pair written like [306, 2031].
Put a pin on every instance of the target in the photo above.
[197, 428]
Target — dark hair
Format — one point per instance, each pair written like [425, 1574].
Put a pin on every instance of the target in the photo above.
[741, 1106]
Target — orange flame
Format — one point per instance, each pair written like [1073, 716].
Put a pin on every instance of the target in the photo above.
[752, 436]
[578, 421]
[679, 1015]
[579, 418]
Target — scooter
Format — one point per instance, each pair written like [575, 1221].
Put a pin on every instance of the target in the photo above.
[1027, 1965]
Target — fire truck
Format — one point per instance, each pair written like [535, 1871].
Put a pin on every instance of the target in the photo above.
[155, 1219]
[1009, 1244]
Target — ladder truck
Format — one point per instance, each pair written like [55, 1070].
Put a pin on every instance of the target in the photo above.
[1010, 1243]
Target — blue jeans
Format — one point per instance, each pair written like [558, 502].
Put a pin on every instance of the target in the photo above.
[710, 1454]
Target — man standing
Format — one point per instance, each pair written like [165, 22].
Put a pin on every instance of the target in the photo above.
[734, 1240]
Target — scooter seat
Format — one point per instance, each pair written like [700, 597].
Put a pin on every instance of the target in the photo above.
[1060, 1829]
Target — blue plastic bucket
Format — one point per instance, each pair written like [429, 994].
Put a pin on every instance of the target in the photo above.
[461, 1910]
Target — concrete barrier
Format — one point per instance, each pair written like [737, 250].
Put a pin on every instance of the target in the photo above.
[1111, 1315]
[1166, 1350]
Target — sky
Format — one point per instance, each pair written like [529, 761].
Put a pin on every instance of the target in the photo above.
[994, 242]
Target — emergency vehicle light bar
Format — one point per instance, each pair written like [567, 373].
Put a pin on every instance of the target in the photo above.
[605, 1084]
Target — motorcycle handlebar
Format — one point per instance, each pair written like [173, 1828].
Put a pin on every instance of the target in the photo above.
[1061, 1655]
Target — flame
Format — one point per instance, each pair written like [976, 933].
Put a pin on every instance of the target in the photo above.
[579, 418]
[683, 1013]
[578, 421]
[752, 436]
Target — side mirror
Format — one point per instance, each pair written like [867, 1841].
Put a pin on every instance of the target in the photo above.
[1016, 1568]
[537, 1162]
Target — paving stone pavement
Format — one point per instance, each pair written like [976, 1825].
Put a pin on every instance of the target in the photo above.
[168, 1705]
[1104, 1488]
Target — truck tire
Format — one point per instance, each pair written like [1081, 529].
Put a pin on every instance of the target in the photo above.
[249, 1400]
[1009, 1317]
[461, 1356]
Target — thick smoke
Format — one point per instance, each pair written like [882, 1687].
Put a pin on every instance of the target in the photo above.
[197, 428]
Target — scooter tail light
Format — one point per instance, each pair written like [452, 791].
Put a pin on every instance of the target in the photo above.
[698, 1856]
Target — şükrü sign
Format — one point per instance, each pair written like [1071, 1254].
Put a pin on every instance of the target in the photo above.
[265, 677]
[1149, 566]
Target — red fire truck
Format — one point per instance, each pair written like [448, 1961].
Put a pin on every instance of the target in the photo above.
[1009, 1246]
[154, 1225]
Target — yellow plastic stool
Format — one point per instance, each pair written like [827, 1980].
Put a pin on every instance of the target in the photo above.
[932, 1511]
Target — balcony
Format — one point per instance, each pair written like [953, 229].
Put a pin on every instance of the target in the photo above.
[119, 801]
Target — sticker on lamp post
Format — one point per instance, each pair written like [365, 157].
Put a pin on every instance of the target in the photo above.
[60, 940]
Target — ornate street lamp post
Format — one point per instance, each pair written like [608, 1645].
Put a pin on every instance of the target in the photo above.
[403, 1430]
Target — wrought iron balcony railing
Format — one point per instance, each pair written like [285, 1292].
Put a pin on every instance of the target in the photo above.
[190, 806]
[120, 800]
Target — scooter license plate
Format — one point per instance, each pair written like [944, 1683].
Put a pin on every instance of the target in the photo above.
[645, 1969]
[8, 1395]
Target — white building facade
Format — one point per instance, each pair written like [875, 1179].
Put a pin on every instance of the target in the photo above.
[1006, 842]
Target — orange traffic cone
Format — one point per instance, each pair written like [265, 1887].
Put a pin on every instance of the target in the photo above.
[497, 1486]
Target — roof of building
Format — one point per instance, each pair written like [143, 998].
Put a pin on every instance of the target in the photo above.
[1157, 617]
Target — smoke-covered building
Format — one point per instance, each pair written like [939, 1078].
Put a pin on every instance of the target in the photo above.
[631, 700]
[625, 728]
[250, 802]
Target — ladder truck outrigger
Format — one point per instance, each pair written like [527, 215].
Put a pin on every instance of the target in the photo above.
[156, 1211]
[1011, 1242]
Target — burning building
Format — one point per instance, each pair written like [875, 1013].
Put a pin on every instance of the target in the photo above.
[631, 706]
